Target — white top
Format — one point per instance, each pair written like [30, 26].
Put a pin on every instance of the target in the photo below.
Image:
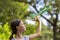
[24, 38]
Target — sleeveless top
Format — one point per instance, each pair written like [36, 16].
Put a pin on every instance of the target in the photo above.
[23, 38]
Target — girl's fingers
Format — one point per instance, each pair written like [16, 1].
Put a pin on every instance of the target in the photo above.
[36, 18]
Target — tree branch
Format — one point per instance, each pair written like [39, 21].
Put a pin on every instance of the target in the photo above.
[55, 21]
[24, 1]
[20, 1]
[43, 16]
[47, 20]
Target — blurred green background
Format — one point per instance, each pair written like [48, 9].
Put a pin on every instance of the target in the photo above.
[17, 9]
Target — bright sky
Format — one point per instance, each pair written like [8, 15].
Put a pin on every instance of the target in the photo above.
[39, 6]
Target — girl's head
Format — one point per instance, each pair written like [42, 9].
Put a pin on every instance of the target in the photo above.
[17, 26]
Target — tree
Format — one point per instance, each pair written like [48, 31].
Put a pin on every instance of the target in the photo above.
[55, 9]
[10, 9]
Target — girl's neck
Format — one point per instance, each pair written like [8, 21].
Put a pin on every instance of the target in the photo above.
[18, 35]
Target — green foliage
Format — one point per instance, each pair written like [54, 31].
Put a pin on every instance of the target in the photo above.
[47, 33]
[5, 32]
[12, 10]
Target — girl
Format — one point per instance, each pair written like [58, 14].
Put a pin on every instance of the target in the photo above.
[18, 27]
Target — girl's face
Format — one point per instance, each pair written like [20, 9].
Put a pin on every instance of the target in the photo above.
[21, 27]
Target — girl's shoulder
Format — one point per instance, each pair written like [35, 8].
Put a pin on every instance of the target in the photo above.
[24, 38]
[14, 39]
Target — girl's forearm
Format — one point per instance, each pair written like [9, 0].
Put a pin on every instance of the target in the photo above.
[39, 28]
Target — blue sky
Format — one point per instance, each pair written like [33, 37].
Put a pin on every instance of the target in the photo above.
[39, 6]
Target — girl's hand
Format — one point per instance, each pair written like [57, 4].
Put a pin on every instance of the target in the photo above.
[37, 18]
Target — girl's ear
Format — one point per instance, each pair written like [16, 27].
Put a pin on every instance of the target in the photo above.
[17, 27]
